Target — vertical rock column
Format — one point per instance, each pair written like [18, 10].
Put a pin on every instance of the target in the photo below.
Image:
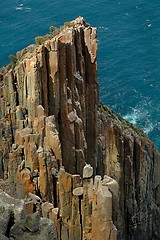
[102, 223]
[85, 211]
[75, 232]
[87, 201]
[65, 201]
[91, 94]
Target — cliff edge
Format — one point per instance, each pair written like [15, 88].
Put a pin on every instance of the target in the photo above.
[51, 116]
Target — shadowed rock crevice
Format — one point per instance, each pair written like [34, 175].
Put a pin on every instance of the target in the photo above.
[50, 115]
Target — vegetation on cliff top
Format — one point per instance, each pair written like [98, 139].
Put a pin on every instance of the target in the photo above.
[53, 32]
[39, 40]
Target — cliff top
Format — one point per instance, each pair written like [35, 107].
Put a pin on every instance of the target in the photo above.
[32, 49]
[127, 127]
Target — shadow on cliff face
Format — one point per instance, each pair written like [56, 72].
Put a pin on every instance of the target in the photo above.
[61, 76]
[133, 161]
[78, 91]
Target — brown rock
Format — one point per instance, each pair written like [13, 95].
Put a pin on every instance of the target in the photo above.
[49, 118]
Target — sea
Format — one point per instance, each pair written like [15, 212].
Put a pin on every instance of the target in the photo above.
[128, 42]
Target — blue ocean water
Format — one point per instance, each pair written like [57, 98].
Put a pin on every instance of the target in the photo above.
[129, 48]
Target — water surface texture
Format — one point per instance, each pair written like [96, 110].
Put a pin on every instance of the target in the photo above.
[129, 48]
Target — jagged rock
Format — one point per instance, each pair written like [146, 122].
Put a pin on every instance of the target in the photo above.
[32, 222]
[11, 211]
[46, 101]
[65, 194]
[112, 185]
[50, 116]
[46, 209]
[15, 224]
[132, 160]
[32, 203]
[102, 225]
[5, 217]
[86, 213]
[3, 237]
[33, 227]
[12, 206]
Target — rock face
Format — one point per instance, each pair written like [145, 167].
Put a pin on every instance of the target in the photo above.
[85, 208]
[15, 224]
[50, 116]
[132, 160]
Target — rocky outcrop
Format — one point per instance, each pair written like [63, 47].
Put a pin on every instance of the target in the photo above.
[59, 75]
[16, 224]
[85, 207]
[84, 211]
[130, 158]
[50, 116]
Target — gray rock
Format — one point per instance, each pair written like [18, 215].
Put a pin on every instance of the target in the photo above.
[32, 222]
[87, 171]
[5, 217]
[11, 210]
[48, 230]
[16, 205]
[2, 236]
[34, 227]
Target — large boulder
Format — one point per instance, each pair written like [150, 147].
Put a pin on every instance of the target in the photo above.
[16, 224]
[33, 227]
[11, 210]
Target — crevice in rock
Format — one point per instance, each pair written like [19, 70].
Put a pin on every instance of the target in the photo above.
[10, 224]
[55, 203]
[14, 77]
[136, 166]
[49, 83]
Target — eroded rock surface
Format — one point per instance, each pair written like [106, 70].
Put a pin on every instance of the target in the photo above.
[130, 158]
[50, 116]
[16, 224]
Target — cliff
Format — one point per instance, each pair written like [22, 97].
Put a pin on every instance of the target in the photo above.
[130, 158]
[50, 115]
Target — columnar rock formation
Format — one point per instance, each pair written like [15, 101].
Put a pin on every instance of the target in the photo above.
[85, 208]
[50, 116]
[131, 159]
[84, 211]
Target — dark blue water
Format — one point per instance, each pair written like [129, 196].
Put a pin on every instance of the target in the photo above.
[129, 48]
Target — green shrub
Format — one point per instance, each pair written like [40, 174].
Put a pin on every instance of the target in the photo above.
[57, 31]
[52, 29]
[13, 59]
[39, 40]
[69, 24]
[22, 54]
[53, 32]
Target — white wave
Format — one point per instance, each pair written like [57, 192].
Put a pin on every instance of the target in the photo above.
[132, 118]
[140, 116]
[19, 8]
[103, 27]
[148, 128]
